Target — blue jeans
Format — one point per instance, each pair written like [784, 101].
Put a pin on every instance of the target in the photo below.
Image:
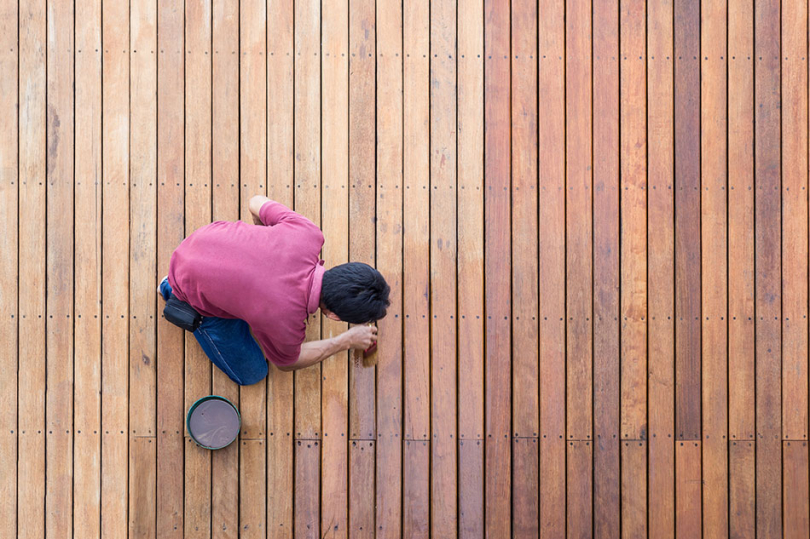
[229, 345]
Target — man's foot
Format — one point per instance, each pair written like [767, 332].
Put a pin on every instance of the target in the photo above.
[164, 289]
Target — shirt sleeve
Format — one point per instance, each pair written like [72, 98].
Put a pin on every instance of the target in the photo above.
[275, 213]
[277, 354]
[272, 213]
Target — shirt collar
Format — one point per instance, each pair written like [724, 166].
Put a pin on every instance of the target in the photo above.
[314, 301]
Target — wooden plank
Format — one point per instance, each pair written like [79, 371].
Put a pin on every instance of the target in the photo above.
[416, 268]
[307, 471]
[579, 489]
[253, 158]
[742, 507]
[225, 206]
[9, 269]
[524, 226]
[470, 119]
[170, 232]
[714, 278]
[143, 279]
[115, 264]
[794, 221]
[308, 203]
[687, 488]
[525, 498]
[390, 190]
[579, 264]
[634, 229]
[31, 355]
[59, 273]
[767, 170]
[143, 219]
[578, 224]
[470, 488]
[142, 485]
[552, 480]
[280, 401]
[252, 456]
[308, 187]
[687, 220]
[443, 185]
[361, 486]
[497, 228]
[197, 214]
[660, 242]
[335, 215]
[634, 482]
[741, 222]
[279, 456]
[362, 387]
[633, 200]
[416, 248]
[606, 266]
[552, 271]
[526, 420]
[794, 260]
[415, 484]
[796, 485]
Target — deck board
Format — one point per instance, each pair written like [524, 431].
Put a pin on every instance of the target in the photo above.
[593, 218]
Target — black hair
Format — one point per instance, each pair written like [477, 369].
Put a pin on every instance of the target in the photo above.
[356, 292]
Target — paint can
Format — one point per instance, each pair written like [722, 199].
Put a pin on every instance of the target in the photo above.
[213, 422]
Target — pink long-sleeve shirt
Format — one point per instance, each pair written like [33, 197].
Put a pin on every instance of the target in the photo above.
[269, 276]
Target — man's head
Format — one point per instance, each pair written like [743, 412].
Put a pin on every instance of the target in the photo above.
[354, 293]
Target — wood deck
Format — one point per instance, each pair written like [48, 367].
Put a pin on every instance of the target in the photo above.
[593, 217]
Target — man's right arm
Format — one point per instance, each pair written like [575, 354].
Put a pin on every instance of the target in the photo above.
[312, 353]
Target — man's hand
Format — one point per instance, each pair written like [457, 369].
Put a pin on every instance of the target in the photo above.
[255, 207]
[361, 337]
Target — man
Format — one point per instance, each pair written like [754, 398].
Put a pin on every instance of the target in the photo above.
[256, 285]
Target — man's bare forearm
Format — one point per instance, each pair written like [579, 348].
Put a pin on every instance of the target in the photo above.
[314, 352]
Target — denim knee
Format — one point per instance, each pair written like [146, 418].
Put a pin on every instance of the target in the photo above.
[255, 376]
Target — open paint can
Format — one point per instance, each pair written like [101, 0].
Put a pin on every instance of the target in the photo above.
[213, 422]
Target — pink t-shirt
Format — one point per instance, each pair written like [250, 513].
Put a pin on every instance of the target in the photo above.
[269, 276]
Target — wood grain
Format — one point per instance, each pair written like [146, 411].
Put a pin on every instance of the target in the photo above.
[606, 298]
[661, 245]
[741, 274]
[687, 221]
[225, 206]
[443, 187]
[335, 215]
[768, 264]
[32, 253]
[116, 127]
[497, 174]
[390, 190]
[714, 275]
[579, 270]
[142, 275]
[279, 135]
[9, 268]
[470, 238]
[170, 232]
[59, 270]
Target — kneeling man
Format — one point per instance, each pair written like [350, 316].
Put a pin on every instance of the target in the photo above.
[255, 287]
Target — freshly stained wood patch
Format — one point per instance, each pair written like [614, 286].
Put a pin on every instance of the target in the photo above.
[593, 218]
